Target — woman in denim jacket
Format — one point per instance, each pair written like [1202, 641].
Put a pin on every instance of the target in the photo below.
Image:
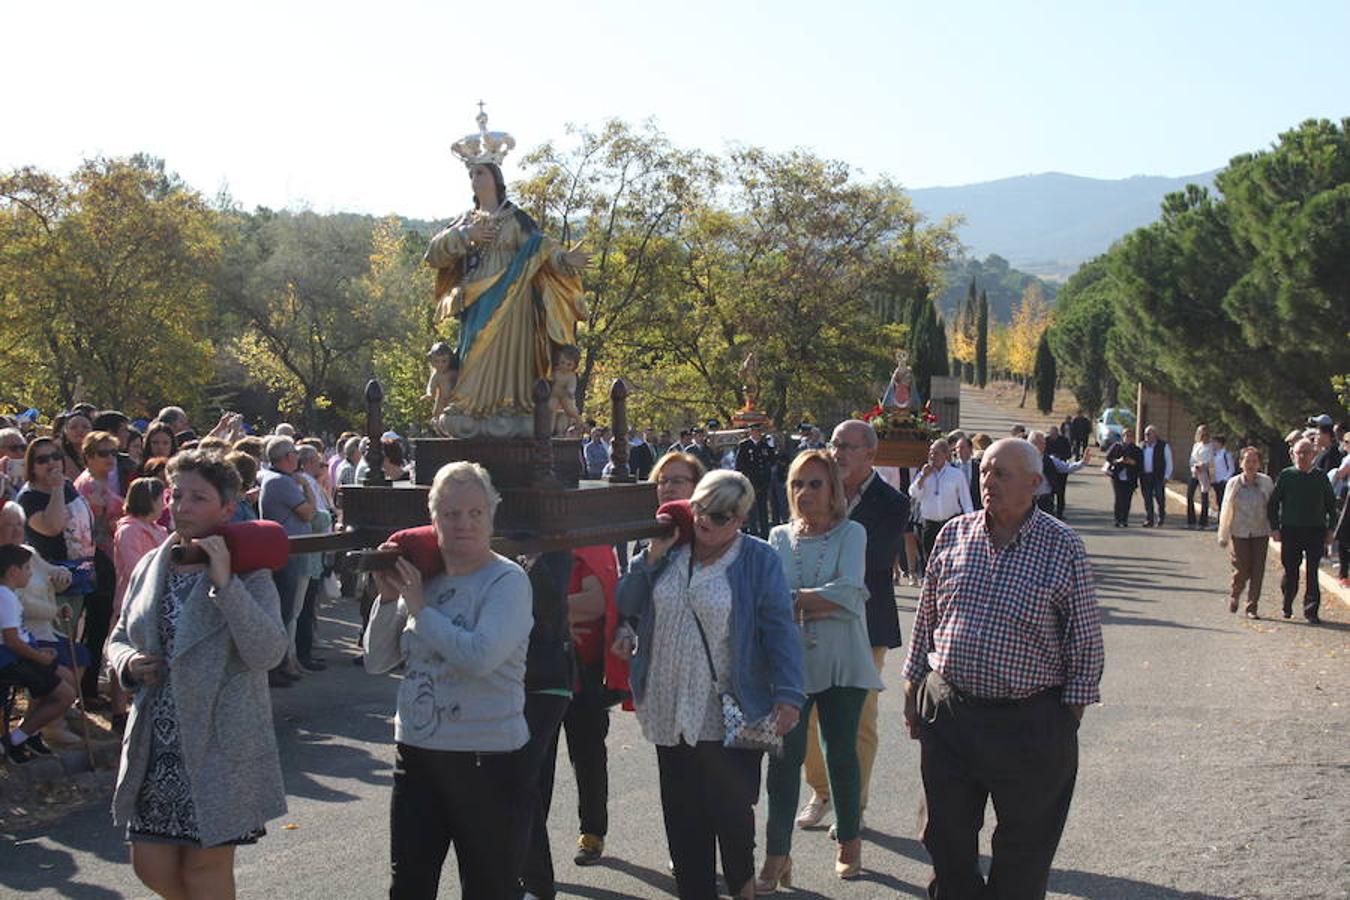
[731, 587]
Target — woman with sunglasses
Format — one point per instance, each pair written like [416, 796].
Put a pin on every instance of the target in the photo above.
[723, 591]
[824, 555]
[94, 484]
[60, 525]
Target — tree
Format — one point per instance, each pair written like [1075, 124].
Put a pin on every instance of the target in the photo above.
[1029, 321]
[1045, 375]
[106, 281]
[1084, 317]
[927, 348]
[982, 340]
[292, 285]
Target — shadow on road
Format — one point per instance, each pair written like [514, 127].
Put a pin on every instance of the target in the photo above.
[29, 865]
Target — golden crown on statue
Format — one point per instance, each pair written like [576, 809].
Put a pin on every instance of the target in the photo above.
[485, 146]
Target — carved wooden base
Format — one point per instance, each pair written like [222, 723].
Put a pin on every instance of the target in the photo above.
[529, 520]
[515, 462]
[901, 453]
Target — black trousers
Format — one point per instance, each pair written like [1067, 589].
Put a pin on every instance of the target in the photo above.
[1024, 758]
[98, 619]
[1079, 446]
[473, 801]
[1124, 497]
[586, 725]
[931, 527]
[544, 714]
[1154, 489]
[708, 796]
[305, 621]
[1297, 544]
[1218, 496]
[1061, 486]
[1046, 503]
[759, 513]
[1192, 486]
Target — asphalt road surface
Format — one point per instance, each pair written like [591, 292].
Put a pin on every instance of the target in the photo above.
[1216, 766]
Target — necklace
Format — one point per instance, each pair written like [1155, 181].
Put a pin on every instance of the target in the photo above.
[794, 540]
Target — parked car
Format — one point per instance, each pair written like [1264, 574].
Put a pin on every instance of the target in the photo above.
[1110, 425]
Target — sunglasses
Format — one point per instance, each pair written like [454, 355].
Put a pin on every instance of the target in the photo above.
[43, 458]
[814, 484]
[717, 518]
[105, 454]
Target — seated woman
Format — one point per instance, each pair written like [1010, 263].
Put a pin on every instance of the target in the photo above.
[459, 767]
[200, 773]
[709, 617]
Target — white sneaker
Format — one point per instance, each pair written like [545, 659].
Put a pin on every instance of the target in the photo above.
[810, 815]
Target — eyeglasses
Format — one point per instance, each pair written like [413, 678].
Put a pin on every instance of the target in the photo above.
[106, 453]
[717, 518]
[844, 445]
[43, 458]
[814, 484]
[676, 480]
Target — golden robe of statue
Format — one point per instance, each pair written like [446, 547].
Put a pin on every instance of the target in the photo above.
[517, 298]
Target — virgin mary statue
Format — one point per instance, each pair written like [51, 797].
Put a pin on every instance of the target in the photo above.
[516, 292]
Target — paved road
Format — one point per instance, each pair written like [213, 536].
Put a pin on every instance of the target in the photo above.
[1215, 768]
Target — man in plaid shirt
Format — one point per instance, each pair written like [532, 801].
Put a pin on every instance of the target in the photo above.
[1005, 654]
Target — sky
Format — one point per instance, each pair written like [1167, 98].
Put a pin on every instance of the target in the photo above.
[353, 105]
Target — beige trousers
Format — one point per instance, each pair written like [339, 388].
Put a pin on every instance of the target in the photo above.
[816, 776]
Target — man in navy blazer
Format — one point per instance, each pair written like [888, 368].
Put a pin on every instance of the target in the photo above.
[883, 512]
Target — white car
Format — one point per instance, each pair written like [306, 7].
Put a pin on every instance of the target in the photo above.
[1110, 425]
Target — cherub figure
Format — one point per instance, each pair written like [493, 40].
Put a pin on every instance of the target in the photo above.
[562, 399]
[444, 373]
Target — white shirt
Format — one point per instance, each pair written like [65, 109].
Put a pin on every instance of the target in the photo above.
[944, 494]
[11, 614]
[1223, 465]
[1063, 468]
[1167, 459]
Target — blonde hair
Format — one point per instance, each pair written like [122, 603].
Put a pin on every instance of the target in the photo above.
[725, 491]
[462, 472]
[838, 502]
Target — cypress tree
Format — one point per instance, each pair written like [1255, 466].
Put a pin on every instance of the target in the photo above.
[1044, 374]
[982, 340]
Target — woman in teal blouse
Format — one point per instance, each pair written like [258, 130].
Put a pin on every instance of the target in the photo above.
[823, 554]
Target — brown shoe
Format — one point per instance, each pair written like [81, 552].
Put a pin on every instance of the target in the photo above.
[848, 860]
[1232, 604]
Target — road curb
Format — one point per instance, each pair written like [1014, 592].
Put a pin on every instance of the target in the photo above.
[1329, 583]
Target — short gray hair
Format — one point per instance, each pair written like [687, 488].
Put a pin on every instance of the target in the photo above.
[462, 472]
[12, 506]
[11, 432]
[351, 446]
[725, 491]
[285, 429]
[170, 414]
[307, 454]
[277, 446]
[1033, 435]
[869, 433]
[1030, 455]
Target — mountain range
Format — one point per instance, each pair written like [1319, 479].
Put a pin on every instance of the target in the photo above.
[1049, 224]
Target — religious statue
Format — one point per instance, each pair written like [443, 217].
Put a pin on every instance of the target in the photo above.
[749, 372]
[516, 293]
[900, 392]
[562, 398]
[444, 374]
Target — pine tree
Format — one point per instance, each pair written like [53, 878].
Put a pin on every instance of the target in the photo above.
[1045, 374]
[982, 340]
[927, 347]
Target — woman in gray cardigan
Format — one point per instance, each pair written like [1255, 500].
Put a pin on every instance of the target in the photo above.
[460, 772]
[200, 773]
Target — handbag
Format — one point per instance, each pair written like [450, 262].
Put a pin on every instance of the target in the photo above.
[738, 732]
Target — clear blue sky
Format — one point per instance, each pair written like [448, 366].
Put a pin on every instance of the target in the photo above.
[347, 105]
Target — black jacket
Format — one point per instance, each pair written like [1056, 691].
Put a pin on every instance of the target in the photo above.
[1116, 456]
[754, 460]
[884, 512]
[550, 663]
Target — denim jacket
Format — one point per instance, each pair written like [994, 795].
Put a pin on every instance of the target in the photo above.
[766, 648]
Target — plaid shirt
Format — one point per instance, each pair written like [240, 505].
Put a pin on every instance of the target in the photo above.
[1009, 623]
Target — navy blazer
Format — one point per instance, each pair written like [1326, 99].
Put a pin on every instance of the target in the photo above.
[884, 512]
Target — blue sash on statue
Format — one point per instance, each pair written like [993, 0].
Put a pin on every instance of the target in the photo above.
[477, 317]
